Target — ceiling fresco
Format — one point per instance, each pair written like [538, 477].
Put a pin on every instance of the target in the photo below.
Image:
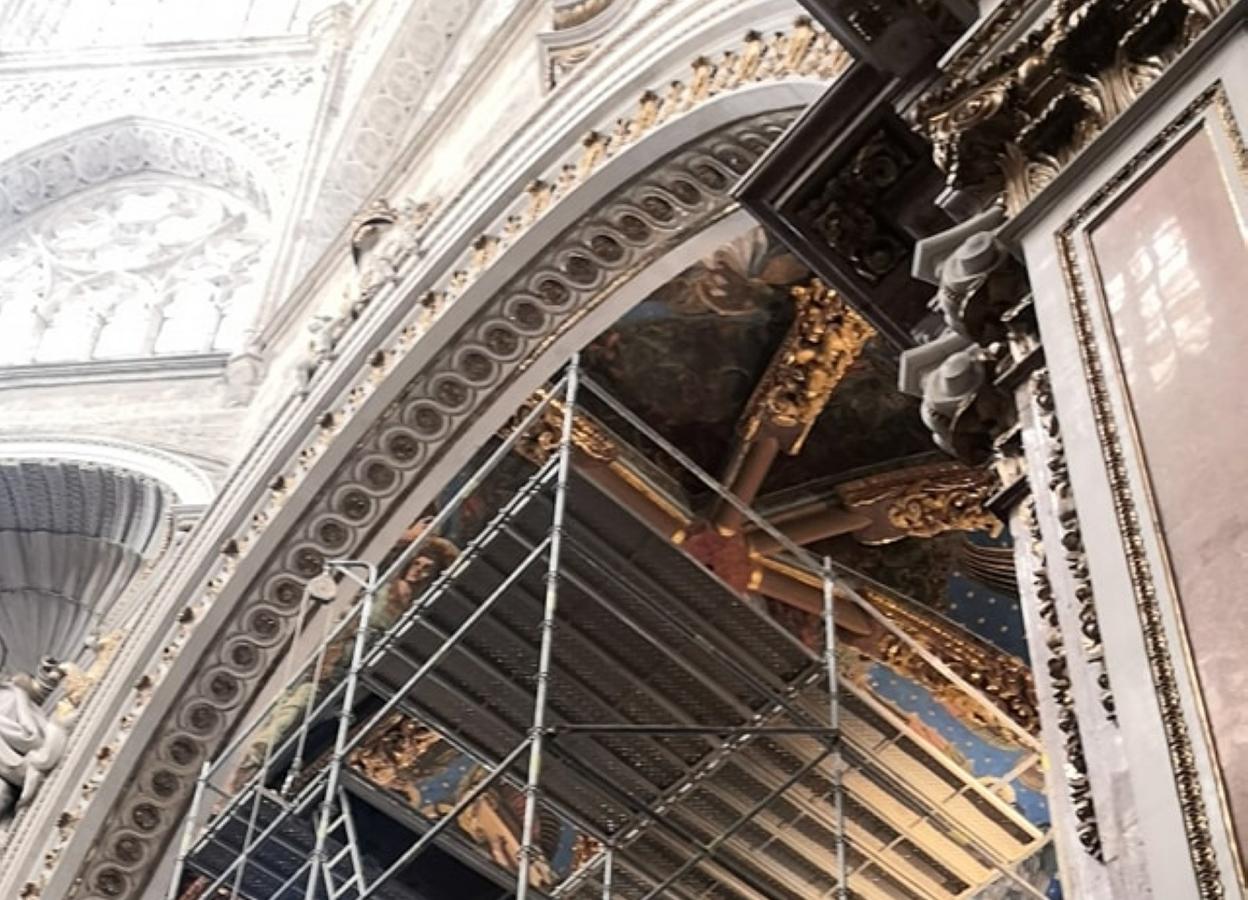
[689, 356]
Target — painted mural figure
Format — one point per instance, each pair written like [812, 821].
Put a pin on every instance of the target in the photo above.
[392, 600]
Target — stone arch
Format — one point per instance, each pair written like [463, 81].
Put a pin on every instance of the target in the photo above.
[404, 424]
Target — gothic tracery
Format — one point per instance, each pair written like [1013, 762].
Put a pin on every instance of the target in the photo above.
[140, 266]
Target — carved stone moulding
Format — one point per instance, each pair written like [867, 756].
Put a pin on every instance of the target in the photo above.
[1004, 131]
[575, 272]
[127, 146]
[1074, 762]
[578, 28]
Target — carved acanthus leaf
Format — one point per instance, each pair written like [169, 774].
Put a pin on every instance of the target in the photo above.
[1008, 129]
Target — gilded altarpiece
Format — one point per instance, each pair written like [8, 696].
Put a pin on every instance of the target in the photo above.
[1138, 268]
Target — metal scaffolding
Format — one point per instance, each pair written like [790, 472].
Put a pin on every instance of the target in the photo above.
[451, 660]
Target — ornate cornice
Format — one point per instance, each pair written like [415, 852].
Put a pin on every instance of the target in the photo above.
[1005, 130]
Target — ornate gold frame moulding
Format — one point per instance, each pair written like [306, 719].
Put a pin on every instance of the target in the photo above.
[1156, 640]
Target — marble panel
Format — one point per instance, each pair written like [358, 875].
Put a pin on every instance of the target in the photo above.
[1171, 267]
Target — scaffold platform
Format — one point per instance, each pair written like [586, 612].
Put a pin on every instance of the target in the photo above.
[626, 701]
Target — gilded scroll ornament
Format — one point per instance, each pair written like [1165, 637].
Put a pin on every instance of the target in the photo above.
[542, 439]
[826, 338]
[923, 502]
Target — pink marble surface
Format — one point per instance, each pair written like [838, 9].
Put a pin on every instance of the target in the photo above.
[1173, 271]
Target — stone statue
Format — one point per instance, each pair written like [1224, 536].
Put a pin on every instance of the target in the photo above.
[326, 331]
[31, 742]
[382, 241]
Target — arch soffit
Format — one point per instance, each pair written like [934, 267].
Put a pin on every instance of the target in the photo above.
[86, 157]
[443, 385]
[186, 482]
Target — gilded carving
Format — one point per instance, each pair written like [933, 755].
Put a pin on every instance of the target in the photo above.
[542, 439]
[1075, 763]
[1005, 680]
[923, 502]
[826, 338]
[1072, 541]
[1005, 131]
[410, 760]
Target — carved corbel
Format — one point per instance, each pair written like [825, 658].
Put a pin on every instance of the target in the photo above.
[968, 136]
[977, 282]
[1005, 131]
[961, 407]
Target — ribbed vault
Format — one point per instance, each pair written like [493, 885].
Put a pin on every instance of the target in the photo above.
[72, 536]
